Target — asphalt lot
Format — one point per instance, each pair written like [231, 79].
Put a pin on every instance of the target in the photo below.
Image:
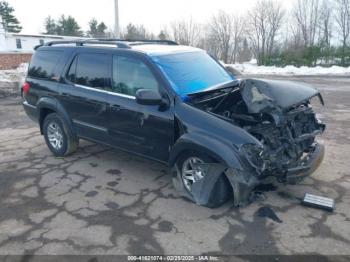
[103, 201]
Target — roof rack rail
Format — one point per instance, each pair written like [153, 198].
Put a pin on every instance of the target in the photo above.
[139, 41]
[120, 43]
[83, 42]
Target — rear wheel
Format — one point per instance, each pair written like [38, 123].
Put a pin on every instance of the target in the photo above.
[188, 172]
[58, 137]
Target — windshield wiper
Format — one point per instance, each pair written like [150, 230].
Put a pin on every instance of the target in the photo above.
[212, 89]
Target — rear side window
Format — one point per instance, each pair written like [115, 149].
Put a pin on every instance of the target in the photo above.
[91, 70]
[43, 64]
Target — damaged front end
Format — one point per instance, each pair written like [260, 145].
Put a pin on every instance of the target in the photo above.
[280, 116]
[286, 125]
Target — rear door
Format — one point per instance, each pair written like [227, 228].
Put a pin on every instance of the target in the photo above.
[143, 129]
[84, 94]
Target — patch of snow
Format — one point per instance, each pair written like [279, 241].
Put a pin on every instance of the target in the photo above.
[15, 75]
[250, 68]
[253, 61]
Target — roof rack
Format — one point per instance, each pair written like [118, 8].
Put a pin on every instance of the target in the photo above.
[120, 43]
[84, 42]
[138, 41]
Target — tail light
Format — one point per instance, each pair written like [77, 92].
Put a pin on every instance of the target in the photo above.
[25, 89]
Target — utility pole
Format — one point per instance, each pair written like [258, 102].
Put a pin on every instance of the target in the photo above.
[116, 19]
[2, 36]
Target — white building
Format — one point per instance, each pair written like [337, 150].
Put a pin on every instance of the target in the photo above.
[17, 42]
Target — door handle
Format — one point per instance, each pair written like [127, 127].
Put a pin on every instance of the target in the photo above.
[92, 101]
[116, 108]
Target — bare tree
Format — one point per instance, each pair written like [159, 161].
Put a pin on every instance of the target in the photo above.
[225, 35]
[342, 11]
[265, 22]
[326, 24]
[136, 32]
[209, 43]
[221, 27]
[307, 15]
[186, 32]
[238, 27]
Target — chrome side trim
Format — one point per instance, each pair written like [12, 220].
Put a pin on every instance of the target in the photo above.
[121, 95]
[104, 91]
[103, 129]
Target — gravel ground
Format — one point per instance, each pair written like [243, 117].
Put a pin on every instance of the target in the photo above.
[103, 201]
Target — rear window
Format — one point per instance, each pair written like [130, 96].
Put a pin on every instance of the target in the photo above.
[43, 64]
[92, 70]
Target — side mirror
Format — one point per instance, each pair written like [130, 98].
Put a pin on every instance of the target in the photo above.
[148, 97]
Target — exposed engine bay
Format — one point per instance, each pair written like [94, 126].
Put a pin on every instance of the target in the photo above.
[276, 113]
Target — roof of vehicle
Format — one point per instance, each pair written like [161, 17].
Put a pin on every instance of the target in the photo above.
[158, 49]
[149, 47]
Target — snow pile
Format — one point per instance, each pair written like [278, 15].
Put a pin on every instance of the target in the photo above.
[16, 75]
[11, 80]
[251, 68]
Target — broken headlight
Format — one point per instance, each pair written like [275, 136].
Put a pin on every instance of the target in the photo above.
[254, 154]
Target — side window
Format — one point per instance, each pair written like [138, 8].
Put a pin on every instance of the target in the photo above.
[130, 74]
[43, 64]
[92, 70]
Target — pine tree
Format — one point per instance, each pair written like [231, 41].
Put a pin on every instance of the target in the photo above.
[9, 21]
[101, 28]
[96, 30]
[68, 26]
[93, 28]
[50, 26]
[163, 35]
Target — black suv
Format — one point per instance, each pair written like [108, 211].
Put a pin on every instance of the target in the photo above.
[178, 105]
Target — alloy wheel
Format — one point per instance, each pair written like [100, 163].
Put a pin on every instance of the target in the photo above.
[190, 172]
[55, 135]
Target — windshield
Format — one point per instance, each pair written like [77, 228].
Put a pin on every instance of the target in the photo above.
[191, 71]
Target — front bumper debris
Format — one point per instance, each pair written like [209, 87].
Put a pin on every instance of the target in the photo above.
[315, 159]
[318, 202]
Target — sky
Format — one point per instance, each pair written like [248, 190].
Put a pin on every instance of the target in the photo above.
[153, 14]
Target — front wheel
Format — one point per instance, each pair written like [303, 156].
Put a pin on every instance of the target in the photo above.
[186, 173]
[58, 137]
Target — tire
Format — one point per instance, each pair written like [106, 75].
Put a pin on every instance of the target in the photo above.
[222, 189]
[58, 136]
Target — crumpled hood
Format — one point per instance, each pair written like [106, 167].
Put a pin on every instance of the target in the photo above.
[266, 95]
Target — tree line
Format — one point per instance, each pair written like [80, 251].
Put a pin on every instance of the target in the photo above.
[68, 26]
[312, 32]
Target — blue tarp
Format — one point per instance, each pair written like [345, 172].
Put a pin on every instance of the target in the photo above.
[191, 72]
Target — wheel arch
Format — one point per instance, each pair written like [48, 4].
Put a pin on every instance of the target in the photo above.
[202, 143]
[47, 105]
[227, 164]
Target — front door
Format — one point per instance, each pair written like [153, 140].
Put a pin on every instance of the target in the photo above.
[142, 129]
[84, 95]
